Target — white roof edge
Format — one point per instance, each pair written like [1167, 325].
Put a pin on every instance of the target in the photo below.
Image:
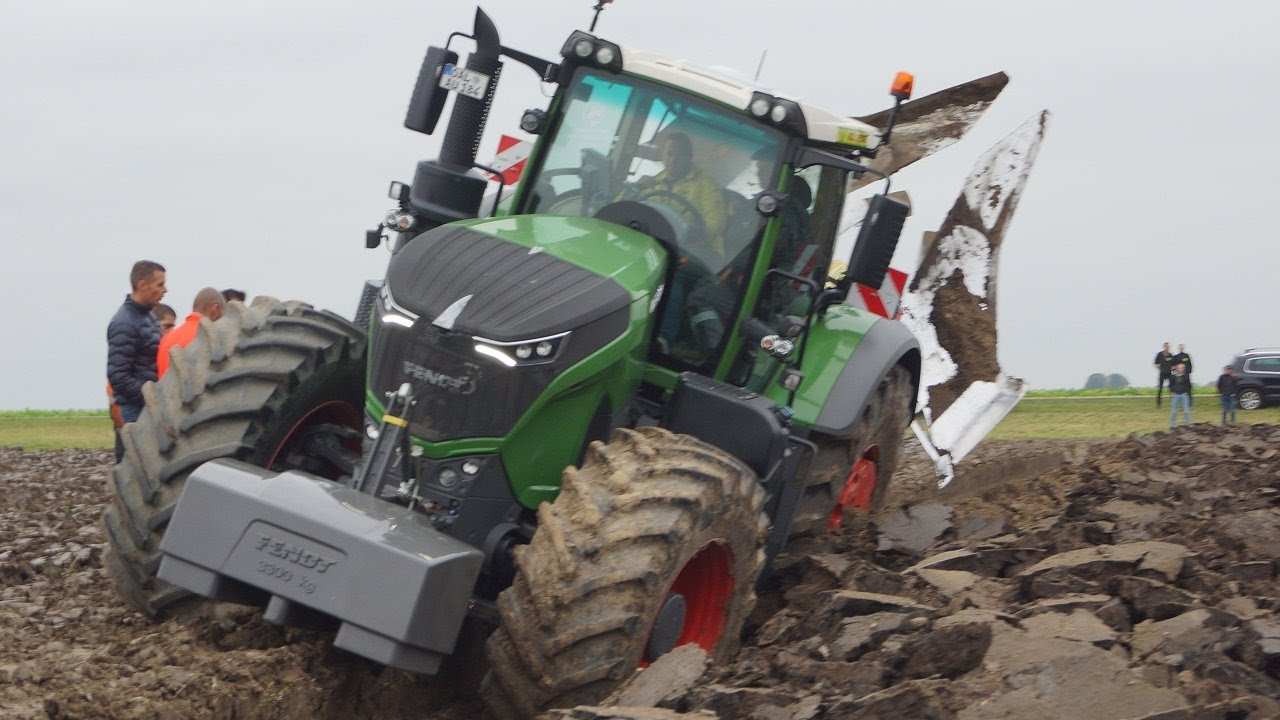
[823, 125]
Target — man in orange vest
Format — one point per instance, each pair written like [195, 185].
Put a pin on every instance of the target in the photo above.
[208, 303]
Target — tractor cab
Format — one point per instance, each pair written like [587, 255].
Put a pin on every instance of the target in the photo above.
[744, 189]
[678, 167]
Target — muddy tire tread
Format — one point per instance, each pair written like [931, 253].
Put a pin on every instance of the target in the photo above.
[622, 526]
[221, 398]
[883, 422]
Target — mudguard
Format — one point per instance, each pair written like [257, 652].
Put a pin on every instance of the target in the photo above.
[307, 546]
[885, 344]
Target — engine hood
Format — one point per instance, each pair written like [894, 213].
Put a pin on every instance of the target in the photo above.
[522, 277]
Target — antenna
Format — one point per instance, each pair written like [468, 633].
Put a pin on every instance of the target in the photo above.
[763, 54]
[596, 18]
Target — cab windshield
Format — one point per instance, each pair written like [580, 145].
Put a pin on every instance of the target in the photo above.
[697, 164]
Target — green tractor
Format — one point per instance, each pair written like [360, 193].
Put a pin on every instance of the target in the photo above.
[582, 420]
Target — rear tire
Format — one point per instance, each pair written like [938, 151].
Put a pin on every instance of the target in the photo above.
[877, 436]
[651, 520]
[1250, 399]
[241, 389]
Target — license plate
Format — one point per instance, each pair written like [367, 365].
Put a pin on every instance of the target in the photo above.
[464, 81]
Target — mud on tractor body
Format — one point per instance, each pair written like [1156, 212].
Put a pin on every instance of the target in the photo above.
[585, 421]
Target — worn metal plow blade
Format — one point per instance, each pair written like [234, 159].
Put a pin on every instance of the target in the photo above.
[950, 305]
[974, 414]
[928, 124]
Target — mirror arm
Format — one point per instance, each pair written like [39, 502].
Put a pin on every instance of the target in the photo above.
[545, 69]
[810, 156]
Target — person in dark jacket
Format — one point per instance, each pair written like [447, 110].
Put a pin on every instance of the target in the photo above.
[133, 336]
[1180, 390]
[1163, 363]
[1227, 388]
[1182, 358]
[1185, 360]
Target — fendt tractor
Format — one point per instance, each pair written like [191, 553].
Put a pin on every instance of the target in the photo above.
[582, 415]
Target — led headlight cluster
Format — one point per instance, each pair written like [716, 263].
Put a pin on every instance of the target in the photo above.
[786, 114]
[392, 313]
[584, 48]
[522, 352]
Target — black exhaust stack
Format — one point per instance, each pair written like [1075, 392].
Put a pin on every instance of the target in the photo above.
[450, 188]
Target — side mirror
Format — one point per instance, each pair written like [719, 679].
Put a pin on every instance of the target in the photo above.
[877, 240]
[427, 102]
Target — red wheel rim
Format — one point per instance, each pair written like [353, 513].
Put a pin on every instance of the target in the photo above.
[859, 488]
[706, 583]
[335, 412]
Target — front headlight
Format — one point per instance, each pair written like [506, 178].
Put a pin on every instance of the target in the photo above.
[522, 352]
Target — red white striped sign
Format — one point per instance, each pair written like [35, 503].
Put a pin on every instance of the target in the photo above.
[885, 302]
[511, 157]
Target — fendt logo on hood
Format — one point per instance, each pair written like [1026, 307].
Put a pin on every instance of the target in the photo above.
[463, 384]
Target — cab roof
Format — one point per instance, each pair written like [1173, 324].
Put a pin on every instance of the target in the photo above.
[821, 125]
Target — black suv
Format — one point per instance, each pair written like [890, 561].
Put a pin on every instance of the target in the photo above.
[1258, 372]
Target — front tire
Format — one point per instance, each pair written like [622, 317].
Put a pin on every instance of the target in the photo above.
[655, 542]
[1250, 399]
[249, 387]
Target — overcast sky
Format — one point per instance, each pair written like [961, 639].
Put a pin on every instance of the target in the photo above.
[249, 144]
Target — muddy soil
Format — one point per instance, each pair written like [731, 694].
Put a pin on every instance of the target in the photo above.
[1130, 579]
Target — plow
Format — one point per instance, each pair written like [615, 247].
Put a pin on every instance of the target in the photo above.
[592, 398]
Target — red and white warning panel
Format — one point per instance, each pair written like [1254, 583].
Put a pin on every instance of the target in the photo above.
[885, 302]
[510, 160]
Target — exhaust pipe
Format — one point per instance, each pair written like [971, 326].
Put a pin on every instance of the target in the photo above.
[450, 188]
[466, 125]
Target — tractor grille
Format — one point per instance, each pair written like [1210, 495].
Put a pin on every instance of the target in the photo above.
[459, 393]
[504, 293]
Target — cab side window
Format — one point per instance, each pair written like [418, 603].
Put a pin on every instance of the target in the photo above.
[808, 222]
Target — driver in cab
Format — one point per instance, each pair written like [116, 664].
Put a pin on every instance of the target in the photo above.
[682, 178]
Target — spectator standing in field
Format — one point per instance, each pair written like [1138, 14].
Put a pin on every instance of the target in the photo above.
[1180, 390]
[1181, 357]
[1163, 363]
[1227, 388]
[232, 294]
[133, 335]
[166, 316]
[208, 303]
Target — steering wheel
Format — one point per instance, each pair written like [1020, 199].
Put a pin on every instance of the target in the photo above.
[687, 210]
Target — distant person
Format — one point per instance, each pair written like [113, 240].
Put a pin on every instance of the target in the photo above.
[232, 294]
[1180, 390]
[1182, 357]
[166, 316]
[1227, 388]
[133, 336]
[1163, 363]
[208, 303]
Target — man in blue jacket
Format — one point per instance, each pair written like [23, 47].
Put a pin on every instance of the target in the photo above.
[133, 336]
